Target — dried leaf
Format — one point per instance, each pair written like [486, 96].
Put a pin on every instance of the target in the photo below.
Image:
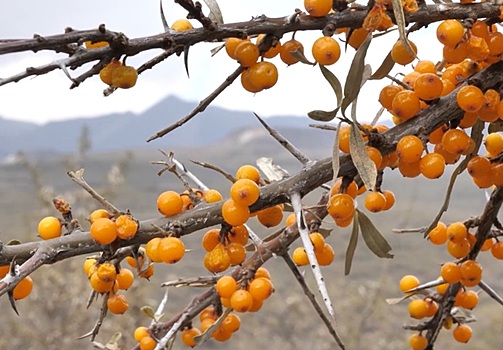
[215, 12]
[353, 242]
[326, 116]
[148, 311]
[355, 74]
[365, 166]
[163, 18]
[400, 22]
[336, 153]
[299, 55]
[384, 69]
[373, 238]
[322, 116]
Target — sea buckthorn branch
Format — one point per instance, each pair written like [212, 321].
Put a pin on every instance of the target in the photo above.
[196, 11]
[121, 45]
[487, 218]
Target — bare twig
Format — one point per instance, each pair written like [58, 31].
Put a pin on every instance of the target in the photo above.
[215, 168]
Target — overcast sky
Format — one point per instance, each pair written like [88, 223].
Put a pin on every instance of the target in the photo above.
[300, 88]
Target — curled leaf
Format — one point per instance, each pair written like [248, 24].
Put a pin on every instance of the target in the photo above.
[384, 69]
[215, 12]
[353, 242]
[365, 166]
[299, 55]
[373, 238]
[148, 311]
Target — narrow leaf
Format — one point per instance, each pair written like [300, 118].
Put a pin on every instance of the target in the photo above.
[335, 152]
[355, 74]
[325, 116]
[373, 238]
[186, 59]
[384, 69]
[365, 166]
[216, 50]
[163, 18]
[299, 55]
[215, 12]
[148, 311]
[400, 22]
[353, 242]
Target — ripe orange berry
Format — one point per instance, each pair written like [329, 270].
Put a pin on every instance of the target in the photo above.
[261, 288]
[248, 172]
[494, 143]
[495, 43]
[405, 104]
[409, 169]
[375, 156]
[457, 232]
[181, 24]
[450, 272]
[98, 213]
[438, 235]
[231, 323]
[171, 249]
[103, 231]
[106, 72]
[238, 234]
[418, 342]
[95, 45]
[462, 333]
[299, 256]
[447, 87]
[244, 192]
[241, 300]
[318, 241]
[273, 51]
[408, 282]
[432, 307]
[208, 313]
[457, 54]
[478, 166]
[89, 267]
[387, 94]
[418, 309]
[326, 256]
[226, 286]
[270, 217]
[212, 196]
[318, 8]
[455, 141]
[497, 250]
[107, 272]
[496, 174]
[290, 219]
[432, 165]
[488, 244]
[351, 189]
[428, 86]
[477, 48]
[262, 272]
[450, 158]
[247, 83]
[148, 272]
[231, 44]
[210, 239]
[287, 48]
[375, 202]
[409, 149]
[341, 206]
[246, 53]
[221, 334]
[425, 66]
[390, 199]
[458, 250]
[326, 50]
[126, 227]
[263, 75]
[117, 304]
[217, 260]
[400, 55]
[169, 203]
[468, 299]
[237, 253]
[147, 343]
[188, 335]
[470, 98]
[140, 333]
[124, 77]
[152, 249]
[471, 273]
[235, 214]
[49, 227]
[23, 288]
[125, 278]
[450, 32]
[99, 285]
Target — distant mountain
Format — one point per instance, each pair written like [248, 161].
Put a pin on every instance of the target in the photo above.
[130, 131]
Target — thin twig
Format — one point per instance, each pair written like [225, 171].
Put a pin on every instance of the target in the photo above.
[192, 282]
[215, 168]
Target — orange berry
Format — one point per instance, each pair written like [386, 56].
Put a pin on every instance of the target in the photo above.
[351, 189]
[140, 333]
[23, 288]
[496, 174]
[432, 165]
[89, 267]
[212, 196]
[442, 288]
[49, 227]
[188, 336]
[477, 48]
[226, 286]
[273, 51]
[447, 87]
[148, 272]
[408, 282]
[262, 75]
[107, 272]
[148, 343]
[117, 304]
[171, 249]
[450, 32]
[418, 342]
[208, 313]
[478, 166]
[256, 305]
[103, 231]
[470, 98]
[97, 214]
[471, 273]
[169, 203]
[106, 72]
[125, 278]
[99, 285]
[457, 232]
[409, 149]
[244, 192]
[238, 234]
[262, 272]
[126, 227]
[341, 206]
[270, 217]
[210, 239]
[318, 241]
[95, 45]
[458, 249]
[425, 66]
[455, 141]
[468, 299]
[400, 55]
[261, 288]
[152, 249]
[237, 253]
[326, 50]
[181, 25]
[290, 219]
[231, 44]
[235, 214]
[409, 169]
[432, 307]
[387, 94]
[450, 158]
[299, 256]
[124, 77]
[405, 104]
[231, 323]
[374, 155]
[450, 272]
[455, 54]
[221, 334]
[375, 202]
[488, 244]
[246, 53]
[356, 37]
[494, 143]
[438, 235]
[217, 260]
[462, 333]
[318, 8]
[326, 256]
[495, 43]
[287, 48]
[248, 172]
[418, 309]
[241, 300]
[390, 199]
[428, 86]
[497, 250]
